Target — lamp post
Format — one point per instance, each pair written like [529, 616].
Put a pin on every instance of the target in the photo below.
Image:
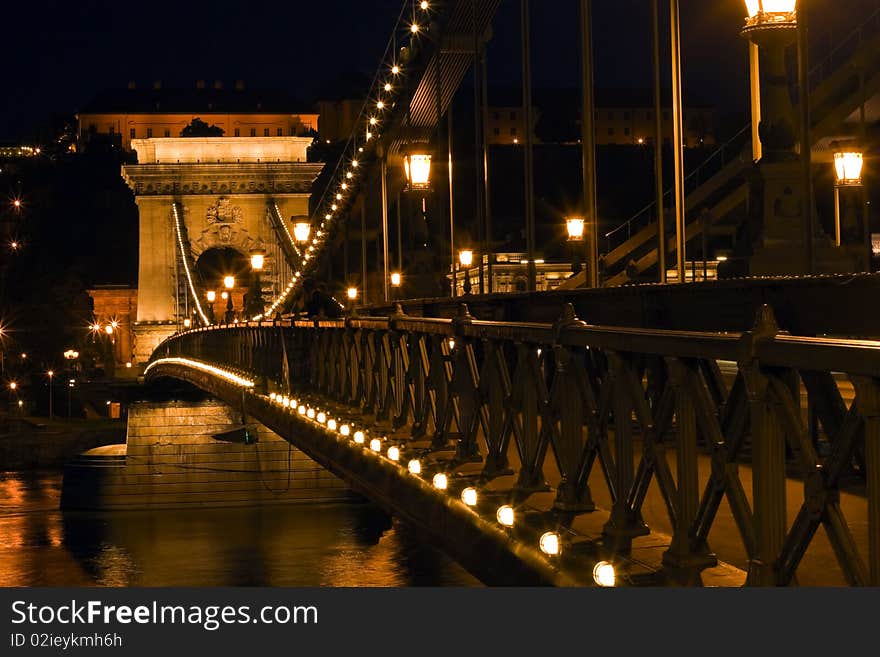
[255, 298]
[466, 259]
[229, 283]
[70, 355]
[848, 183]
[772, 25]
[575, 227]
[417, 167]
[51, 376]
[396, 282]
[212, 297]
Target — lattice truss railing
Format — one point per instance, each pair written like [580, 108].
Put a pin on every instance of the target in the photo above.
[639, 405]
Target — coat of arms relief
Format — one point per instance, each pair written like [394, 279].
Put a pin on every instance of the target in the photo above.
[224, 227]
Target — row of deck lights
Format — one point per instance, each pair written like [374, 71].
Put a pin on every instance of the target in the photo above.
[550, 543]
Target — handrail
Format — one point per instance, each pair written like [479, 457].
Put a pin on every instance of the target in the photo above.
[831, 56]
[721, 150]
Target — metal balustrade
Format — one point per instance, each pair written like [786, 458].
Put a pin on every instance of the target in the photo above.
[553, 402]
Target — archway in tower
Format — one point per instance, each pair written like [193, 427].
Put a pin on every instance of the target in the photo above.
[214, 265]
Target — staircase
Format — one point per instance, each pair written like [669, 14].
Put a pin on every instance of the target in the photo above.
[849, 73]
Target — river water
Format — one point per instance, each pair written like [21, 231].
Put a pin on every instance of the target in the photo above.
[346, 544]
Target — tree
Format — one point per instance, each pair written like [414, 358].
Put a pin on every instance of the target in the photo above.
[199, 128]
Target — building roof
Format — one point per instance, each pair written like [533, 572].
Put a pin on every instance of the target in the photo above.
[209, 100]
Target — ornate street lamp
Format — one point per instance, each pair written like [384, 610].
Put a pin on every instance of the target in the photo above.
[765, 14]
[51, 375]
[772, 26]
[575, 227]
[212, 297]
[301, 231]
[466, 259]
[417, 167]
[848, 168]
[255, 298]
[848, 177]
[229, 284]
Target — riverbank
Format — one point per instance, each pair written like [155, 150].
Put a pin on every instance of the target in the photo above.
[34, 443]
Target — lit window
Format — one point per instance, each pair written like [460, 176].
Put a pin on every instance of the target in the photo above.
[253, 132]
[265, 132]
[280, 132]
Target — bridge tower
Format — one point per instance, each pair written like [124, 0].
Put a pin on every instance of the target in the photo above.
[207, 200]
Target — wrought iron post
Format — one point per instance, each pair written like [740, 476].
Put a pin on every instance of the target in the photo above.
[588, 144]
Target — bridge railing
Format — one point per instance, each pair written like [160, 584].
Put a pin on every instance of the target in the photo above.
[556, 402]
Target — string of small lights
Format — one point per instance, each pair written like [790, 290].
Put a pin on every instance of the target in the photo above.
[192, 287]
[412, 21]
[550, 543]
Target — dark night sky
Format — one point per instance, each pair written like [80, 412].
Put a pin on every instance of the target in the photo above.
[58, 54]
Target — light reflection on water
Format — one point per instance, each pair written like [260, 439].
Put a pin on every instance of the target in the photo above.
[297, 545]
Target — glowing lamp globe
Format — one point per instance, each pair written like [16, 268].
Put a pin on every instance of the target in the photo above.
[301, 231]
[441, 481]
[229, 282]
[414, 467]
[396, 279]
[848, 168]
[352, 293]
[394, 453]
[417, 166]
[466, 257]
[770, 14]
[575, 227]
[212, 296]
[257, 260]
[331, 424]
